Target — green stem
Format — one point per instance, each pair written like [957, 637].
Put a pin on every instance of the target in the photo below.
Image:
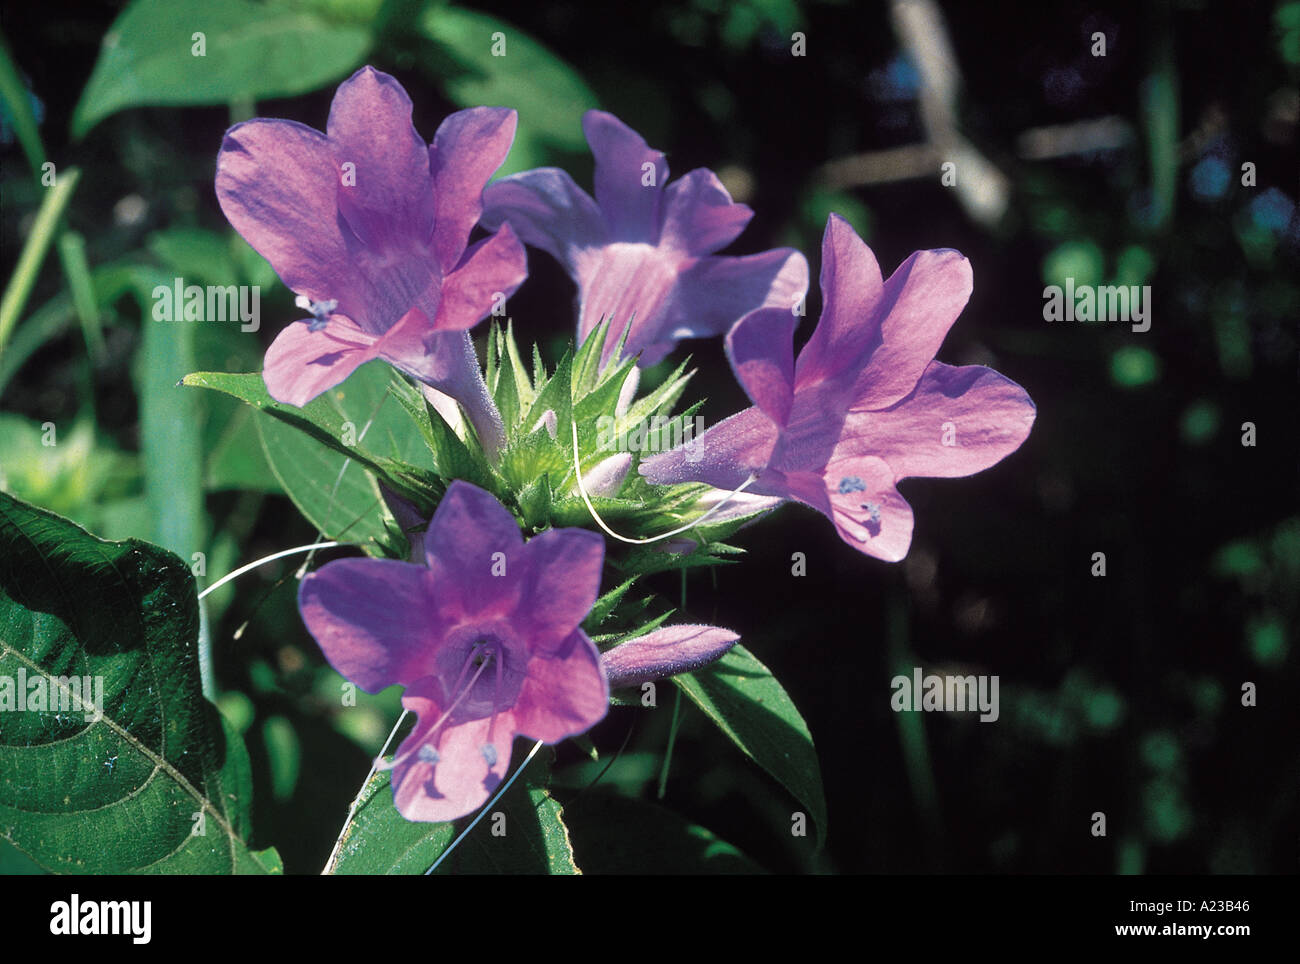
[33, 253]
[672, 739]
[911, 735]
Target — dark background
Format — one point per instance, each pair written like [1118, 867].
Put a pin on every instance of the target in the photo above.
[1119, 694]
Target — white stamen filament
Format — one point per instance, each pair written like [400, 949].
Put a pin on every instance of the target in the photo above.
[582, 490]
[433, 730]
[271, 558]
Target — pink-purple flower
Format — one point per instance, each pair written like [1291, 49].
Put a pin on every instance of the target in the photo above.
[865, 404]
[369, 226]
[643, 251]
[485, 638]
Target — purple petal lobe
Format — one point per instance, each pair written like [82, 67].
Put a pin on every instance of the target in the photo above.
[371, 619]
[301, 363]
[473, 545]
[848, 330]
[869, 513]
[630, 177]
[699, 215]
[548, 211]
[443, 774]
[278, 186]
[493, 269]
[761, 350]
[957, 422]
[715, 292]
[665, 652]
[389, 203]
[565, 692]
[561, 579]
[874, 340]
[467, 150]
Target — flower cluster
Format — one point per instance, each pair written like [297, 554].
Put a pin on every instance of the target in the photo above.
[484, 629]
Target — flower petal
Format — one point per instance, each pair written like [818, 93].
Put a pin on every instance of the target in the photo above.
[560, 570]
[466, 151]
[371, 618]
[494, 267]
[548, 211]
[629, 283]
[468, 530]
[858, 495]
[699, 215]
[724, 456]
[389, 202]
[665, 652]
[628, 195]
[957, 422]
[454, 775]
[716, 292]
[565, 692]
[877, 339]
[301, 363]
[851, 286]
[760, 348]
[278, 186]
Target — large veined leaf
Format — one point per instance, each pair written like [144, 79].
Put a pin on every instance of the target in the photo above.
[154, 55]
[155, 780]
[747, 703]
[524, 833]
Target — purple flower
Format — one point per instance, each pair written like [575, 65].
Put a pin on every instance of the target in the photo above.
[642, 251]
[369, 226]
[865, 405]
[665, 652]
[485, 639]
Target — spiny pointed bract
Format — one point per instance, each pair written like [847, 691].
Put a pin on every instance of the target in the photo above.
[642, 252]
[864, 405]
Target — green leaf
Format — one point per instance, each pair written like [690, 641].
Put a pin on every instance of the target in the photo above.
[747, 703]
[150, 56]
[127, 792]
[195, 255]
[308, 450]
[32, 256]
[18, 110]
[614, 834]
[606, 604]
[535, 502]
[452, 458]
[170, 438]
[549, 95]
[379, 840]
